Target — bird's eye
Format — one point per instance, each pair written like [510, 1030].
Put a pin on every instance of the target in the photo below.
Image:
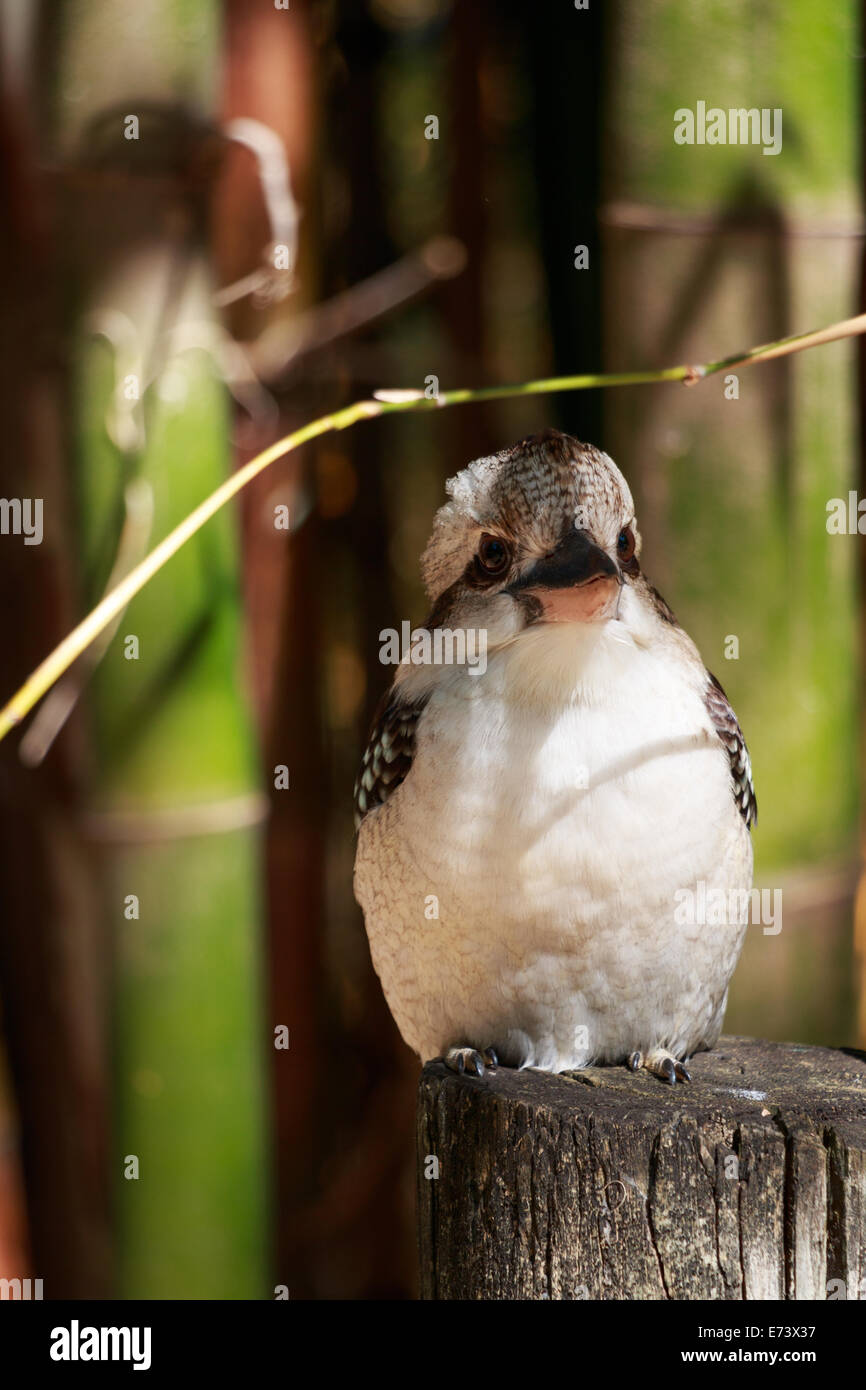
[494, 555]
[625, 544]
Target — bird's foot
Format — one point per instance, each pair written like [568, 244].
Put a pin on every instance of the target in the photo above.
[661, 1063]
[463, 1059]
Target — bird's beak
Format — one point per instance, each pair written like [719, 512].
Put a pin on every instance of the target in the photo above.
[578, 582]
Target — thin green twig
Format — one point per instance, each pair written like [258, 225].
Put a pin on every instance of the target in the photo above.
[385, 403]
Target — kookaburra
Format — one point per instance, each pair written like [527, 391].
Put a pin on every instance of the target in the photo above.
[526, 833]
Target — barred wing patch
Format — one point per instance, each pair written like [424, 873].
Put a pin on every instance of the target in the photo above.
[729, 731]
[389, 753]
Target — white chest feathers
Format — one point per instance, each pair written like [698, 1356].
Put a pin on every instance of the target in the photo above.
[521, 887]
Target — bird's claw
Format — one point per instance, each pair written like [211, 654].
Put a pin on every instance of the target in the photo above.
[661, 1064]
[469, 1059]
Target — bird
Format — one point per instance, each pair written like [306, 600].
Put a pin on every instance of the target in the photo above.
[529, 833]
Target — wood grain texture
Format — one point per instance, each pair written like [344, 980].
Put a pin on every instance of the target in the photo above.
[748, 1183]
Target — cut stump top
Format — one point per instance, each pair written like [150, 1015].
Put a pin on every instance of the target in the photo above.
[785, 1084]
[747, 1182]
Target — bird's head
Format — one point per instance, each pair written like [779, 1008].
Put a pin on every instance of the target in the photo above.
[543, 532]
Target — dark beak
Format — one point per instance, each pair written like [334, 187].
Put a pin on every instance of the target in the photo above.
[575, 561]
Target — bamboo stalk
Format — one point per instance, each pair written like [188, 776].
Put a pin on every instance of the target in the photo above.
[171, 795]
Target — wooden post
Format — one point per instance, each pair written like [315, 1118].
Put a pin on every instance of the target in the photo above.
[747, 1183]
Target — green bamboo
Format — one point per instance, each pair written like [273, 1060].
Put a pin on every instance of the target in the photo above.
[174, 800]
[712, 245]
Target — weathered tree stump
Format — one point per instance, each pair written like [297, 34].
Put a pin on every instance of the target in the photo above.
[747, 1183]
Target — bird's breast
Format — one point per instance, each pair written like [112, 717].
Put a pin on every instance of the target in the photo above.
[526, 873]
[620, 770]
